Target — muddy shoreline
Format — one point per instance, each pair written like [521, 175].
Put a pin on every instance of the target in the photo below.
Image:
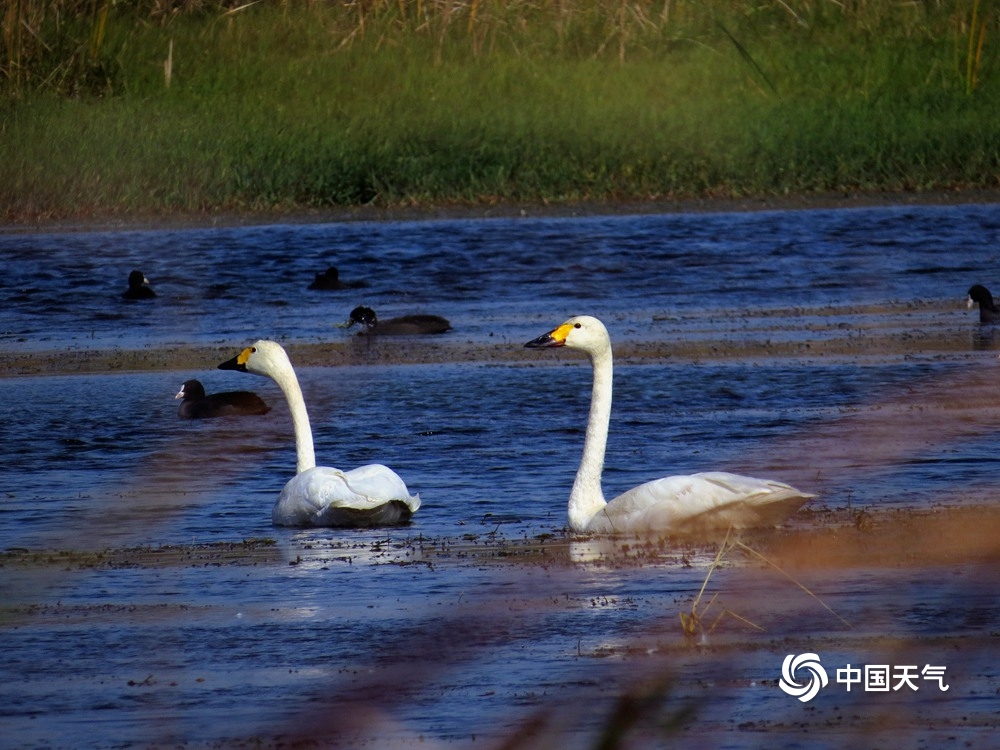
[436, 212]
[817, 538]
[873, 346]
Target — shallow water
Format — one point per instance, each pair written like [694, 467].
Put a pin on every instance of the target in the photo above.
[831, 349]
[502, 277]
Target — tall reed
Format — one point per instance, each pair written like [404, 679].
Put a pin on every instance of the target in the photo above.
[49, 43]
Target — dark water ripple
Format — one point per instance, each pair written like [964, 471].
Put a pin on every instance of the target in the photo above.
[499, 277]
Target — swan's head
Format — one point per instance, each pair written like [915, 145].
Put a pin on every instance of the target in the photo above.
[583, 332]
[364, 316]
[266, 358]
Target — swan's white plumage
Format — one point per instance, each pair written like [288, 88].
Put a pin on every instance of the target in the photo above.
[696, 502]
[371, 495]
[313, 494]
[671, 504]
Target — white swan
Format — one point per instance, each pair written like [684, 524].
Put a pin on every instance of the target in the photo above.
[671, 504]
[371, 495]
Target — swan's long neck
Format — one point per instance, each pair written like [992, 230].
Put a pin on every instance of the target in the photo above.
[304, 451]
[587, 498]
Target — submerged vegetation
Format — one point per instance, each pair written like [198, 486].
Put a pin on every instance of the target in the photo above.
[116, 106]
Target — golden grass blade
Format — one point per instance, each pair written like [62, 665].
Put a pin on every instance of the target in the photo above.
[742, 619]
[791, 578]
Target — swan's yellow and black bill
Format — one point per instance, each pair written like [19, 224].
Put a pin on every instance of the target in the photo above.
[552, 338]
[239, 362]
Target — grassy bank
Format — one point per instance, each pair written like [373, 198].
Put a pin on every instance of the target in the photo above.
[110, 108]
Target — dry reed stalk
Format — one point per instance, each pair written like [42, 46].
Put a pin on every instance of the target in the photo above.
[692, 623]
[791, 578]
[975, 48]
[473, 8]
[168, 64]
[15, 22]
[97, 33]
[11, 39]
[622, 31]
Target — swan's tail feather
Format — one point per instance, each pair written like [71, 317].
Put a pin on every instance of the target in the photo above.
[358, 482]
[769, 503]
[701, 502]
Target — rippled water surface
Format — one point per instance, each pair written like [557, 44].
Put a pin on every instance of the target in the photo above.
[828, 348]
[500, 277]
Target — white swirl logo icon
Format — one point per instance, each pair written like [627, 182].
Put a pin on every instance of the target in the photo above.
[817, 676]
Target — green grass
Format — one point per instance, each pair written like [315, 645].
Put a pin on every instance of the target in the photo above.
[292, 105]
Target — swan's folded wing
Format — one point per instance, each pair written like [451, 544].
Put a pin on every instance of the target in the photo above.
[374, 484]
[311, 497]
[699, 502]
